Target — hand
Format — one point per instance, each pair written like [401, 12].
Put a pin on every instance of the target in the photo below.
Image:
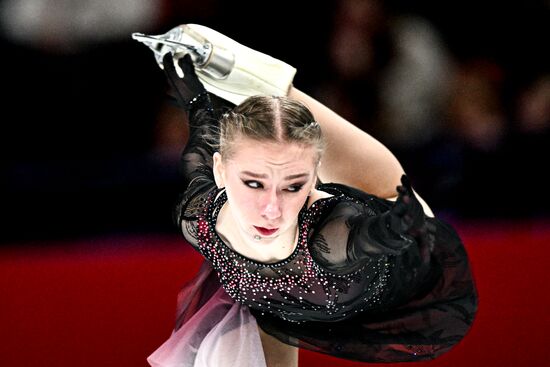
[187, 91]
[407, 216]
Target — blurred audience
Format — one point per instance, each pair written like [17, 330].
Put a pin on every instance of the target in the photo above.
[91, 146]
[476, 128]
[388, 73]
[443, 111]
[68, 26]
[529, 146]
[81, 109]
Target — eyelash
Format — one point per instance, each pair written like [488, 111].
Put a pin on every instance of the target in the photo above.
[251, 184]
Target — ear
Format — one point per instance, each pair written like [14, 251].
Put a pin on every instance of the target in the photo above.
[219, 170]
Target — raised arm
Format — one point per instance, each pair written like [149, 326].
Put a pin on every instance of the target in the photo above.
[189, 94]
[353, 157]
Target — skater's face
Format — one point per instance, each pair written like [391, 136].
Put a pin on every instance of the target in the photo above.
[267, 183]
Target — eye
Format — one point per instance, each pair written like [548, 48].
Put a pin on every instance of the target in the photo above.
[253, 184]
[295, 188]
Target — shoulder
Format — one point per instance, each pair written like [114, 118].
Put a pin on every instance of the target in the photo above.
[348, 194]
[338, 207]
[317, 195]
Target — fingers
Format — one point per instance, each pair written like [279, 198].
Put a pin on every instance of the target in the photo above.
[186, 64]
[408, 208]
[168, 64]
[185, 85]
[431, 229]
[399, 209]
[406, 182]
[183, 70]
[401, 190]
[167, 56]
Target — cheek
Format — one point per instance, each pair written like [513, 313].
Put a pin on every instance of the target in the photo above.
[248, 203]
[293, 205]
[242, 199]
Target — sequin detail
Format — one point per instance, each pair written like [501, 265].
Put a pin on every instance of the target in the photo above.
[297, 288]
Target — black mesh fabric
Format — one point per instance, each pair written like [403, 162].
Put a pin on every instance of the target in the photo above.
[350, 289]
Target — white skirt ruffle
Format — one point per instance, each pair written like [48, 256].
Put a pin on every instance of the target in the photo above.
[218, 333]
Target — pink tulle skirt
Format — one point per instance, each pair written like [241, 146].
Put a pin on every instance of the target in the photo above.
[211, 329]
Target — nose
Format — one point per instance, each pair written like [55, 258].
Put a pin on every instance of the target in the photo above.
[271, 206]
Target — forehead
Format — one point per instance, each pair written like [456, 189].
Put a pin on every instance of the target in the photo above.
[273, 155]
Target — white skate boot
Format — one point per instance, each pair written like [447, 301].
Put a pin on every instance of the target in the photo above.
[227, 69]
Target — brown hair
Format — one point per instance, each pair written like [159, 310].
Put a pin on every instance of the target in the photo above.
[270, 118]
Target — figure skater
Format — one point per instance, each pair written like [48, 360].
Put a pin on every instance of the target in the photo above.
[312, 234]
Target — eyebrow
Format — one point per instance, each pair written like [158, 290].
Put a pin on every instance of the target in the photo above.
[290, 177]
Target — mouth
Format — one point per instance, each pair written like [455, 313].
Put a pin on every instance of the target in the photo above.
[266, 231]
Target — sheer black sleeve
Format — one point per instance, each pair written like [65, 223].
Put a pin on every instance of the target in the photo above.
[196, 163]
[357, 230]
[188, 93]
[420, 300]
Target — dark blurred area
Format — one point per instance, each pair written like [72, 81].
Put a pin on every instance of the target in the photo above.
[459, 91]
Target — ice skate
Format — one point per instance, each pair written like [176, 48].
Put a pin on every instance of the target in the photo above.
[227, 68]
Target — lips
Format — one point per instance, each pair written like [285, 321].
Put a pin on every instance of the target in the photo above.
[266, 231]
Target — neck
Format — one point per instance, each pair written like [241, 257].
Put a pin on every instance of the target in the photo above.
[265, 249]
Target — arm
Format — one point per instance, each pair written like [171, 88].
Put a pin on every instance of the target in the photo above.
[189, 94]
[393, 239]
[404, 234]
[352, 157]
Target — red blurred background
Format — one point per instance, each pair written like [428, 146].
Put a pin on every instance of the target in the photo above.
[111, 301]
[90, 264]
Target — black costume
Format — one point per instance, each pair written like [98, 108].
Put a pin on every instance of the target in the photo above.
[362, 283]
